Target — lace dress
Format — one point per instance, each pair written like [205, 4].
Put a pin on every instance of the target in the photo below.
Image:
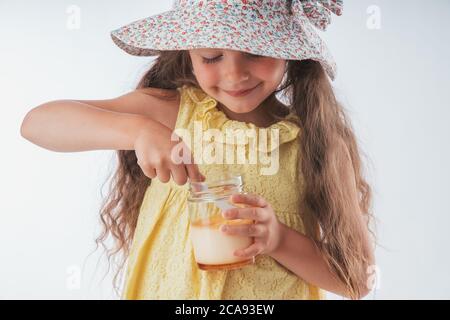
[161, 264]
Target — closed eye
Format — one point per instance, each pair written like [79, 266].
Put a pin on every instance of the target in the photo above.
[213, 60]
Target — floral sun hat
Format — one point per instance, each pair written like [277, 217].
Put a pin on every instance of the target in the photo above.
[275, 28]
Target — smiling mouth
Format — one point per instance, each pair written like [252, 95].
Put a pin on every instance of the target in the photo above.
[240, 93]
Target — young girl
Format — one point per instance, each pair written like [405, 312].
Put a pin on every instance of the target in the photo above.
[221, 63]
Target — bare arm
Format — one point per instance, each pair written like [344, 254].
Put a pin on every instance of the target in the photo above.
[299, 254]
[70, 126]
[81, 125]
[158, 104]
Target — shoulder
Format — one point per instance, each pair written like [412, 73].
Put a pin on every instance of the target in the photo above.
[167, 97]
[167, 100]
[164, 94]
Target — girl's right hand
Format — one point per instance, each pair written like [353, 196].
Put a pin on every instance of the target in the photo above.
[153, 151]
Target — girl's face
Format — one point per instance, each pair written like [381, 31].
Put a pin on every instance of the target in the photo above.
[219, 71]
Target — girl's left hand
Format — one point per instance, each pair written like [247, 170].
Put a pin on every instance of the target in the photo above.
[266, 229]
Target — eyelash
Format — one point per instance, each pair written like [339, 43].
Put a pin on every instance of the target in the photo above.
[213, 60]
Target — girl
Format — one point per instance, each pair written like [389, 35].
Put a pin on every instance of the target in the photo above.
[221, 63]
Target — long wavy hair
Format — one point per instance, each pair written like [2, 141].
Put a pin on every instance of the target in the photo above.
[328, 222]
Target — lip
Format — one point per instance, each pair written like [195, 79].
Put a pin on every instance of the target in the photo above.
[240, 93]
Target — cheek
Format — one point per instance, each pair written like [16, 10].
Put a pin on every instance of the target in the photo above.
[271, 71]
[207, 76]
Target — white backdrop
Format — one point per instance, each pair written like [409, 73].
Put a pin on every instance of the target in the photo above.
[393, 77]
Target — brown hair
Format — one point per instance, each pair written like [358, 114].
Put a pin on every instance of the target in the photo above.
[335, 232]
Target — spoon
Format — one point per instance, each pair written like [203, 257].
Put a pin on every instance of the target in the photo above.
[222, 204]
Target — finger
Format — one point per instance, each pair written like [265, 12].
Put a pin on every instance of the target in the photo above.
[252, 213]
[250, 251]
[248, 230]
[163, 174]
[194, 173]
[149, 171]
[179, 174]
[253, 200]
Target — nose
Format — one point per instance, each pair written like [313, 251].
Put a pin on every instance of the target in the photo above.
[236, 71]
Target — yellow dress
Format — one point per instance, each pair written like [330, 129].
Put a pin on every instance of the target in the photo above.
[161, 264]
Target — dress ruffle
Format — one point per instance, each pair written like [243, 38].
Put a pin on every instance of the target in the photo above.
[212, 117]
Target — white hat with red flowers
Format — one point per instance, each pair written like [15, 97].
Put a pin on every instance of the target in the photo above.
[276, 28]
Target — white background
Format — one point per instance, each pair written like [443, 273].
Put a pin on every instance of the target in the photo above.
[394, 81]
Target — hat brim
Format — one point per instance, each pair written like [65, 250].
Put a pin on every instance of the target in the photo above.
[279, 36]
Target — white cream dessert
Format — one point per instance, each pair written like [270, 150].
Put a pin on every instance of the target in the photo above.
[214, 247]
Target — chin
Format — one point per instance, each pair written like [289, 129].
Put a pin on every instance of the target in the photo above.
[236, 107]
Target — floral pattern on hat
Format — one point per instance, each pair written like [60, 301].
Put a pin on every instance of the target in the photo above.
[261, 27]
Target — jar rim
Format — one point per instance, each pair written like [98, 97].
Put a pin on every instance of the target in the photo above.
[202, 189]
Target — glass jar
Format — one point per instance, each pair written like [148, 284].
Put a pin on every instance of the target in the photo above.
[214, 249]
